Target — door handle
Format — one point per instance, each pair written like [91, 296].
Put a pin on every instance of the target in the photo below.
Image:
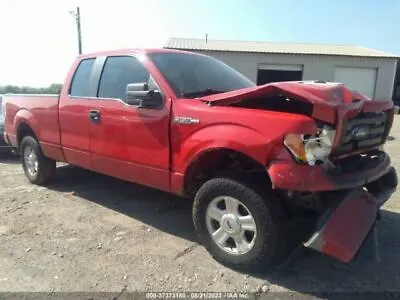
[94, 115]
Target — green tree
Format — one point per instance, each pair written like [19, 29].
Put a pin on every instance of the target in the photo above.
[54, 88]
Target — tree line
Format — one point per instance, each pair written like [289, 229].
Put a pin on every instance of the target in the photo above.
[54, 88]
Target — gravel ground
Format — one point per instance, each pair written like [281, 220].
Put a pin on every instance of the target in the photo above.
[89, 232]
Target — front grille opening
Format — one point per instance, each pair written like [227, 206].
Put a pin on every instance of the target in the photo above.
[373, 123]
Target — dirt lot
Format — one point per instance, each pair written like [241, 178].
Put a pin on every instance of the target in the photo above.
[88, 232]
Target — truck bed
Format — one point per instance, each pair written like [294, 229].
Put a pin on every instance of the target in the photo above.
[39, 111]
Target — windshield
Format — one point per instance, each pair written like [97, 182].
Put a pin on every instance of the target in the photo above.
[191, 75]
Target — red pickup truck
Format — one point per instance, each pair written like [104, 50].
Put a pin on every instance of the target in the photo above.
[260, 162]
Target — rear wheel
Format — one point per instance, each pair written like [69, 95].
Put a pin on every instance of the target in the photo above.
[239, 226]
[38, 168]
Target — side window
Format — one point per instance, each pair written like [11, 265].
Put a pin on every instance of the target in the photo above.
[118, 72]
[81, 78]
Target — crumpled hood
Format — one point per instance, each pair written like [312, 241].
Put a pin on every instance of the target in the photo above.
[312, 91]
[325, 97]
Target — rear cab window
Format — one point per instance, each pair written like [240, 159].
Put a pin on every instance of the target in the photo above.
[80, 81]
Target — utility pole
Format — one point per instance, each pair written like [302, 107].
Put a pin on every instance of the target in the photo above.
[77, 16]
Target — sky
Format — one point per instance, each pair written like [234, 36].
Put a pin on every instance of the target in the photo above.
[39, 38]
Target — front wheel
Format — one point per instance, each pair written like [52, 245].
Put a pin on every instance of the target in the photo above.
[38, 168]
[240, 227]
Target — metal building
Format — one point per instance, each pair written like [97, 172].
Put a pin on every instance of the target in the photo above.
[369, 71]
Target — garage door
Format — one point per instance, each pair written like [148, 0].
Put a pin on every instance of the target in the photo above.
[267, 73]
[359, 79]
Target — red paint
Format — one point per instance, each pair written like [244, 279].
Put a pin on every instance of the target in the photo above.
[255, 133]
[146, 146]
[288, 175]
[326, 99]
[74, 124]
[132, 144]
[344, 232]
[51, 150]
[331, 103]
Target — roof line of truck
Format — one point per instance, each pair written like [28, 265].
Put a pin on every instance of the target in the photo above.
[124, 51]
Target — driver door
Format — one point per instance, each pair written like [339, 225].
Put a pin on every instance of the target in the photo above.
[128, 142]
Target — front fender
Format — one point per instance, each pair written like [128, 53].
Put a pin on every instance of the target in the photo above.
[234, 137]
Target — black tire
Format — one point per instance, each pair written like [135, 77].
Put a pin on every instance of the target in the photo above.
[46, 166]
[271, 243]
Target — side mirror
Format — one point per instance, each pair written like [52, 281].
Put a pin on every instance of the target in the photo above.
[138, 94]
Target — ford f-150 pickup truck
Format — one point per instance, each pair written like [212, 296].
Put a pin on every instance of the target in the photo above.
[260, 162]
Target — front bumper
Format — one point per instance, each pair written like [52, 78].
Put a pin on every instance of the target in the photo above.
[344, 226]
[289, 175]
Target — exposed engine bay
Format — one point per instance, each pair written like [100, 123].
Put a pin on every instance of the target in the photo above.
[280, 103]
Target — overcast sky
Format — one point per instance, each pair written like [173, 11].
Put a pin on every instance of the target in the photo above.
[39, 40]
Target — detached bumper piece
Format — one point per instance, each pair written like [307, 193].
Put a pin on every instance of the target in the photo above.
[345, 227]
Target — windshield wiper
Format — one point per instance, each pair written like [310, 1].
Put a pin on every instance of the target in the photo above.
[205, 92]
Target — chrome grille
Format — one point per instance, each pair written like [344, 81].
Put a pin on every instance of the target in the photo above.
[373, 127]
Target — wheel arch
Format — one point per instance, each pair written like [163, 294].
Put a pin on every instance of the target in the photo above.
[25, 123]
[24, 129]
[219, 160]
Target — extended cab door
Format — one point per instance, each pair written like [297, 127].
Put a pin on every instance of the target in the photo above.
[73, 113]
[128, 142]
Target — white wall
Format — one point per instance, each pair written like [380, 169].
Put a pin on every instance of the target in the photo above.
[360, 79]
[321, 67]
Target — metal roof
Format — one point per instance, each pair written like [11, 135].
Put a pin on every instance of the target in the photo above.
[272, 47]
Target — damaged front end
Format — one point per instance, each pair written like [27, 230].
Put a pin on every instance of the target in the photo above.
[340, 171]
[343, 228]
[345, 198]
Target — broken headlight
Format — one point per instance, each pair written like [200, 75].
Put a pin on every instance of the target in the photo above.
[311, 149]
